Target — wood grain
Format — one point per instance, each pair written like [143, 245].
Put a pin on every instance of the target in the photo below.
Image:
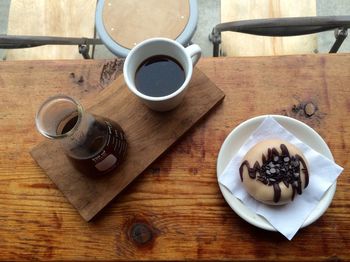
[174, 210]
[238, 44]
[149, 134]
[130, 22]
[64, 18]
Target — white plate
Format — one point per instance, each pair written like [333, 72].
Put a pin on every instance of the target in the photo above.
[236, 139]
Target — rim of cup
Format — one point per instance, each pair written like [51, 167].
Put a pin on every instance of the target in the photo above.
[133, 88]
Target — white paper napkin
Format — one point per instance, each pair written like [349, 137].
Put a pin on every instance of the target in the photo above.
[286, 219]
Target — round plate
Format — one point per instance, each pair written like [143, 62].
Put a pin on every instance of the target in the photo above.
[236, 139]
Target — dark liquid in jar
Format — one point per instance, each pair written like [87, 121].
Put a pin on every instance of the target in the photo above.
[102, 150]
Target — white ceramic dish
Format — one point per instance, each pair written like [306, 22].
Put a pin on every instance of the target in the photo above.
[236, 139]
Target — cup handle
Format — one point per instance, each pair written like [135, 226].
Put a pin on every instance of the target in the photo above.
[195, 52]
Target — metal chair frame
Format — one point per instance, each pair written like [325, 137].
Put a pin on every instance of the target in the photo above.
[18, 41]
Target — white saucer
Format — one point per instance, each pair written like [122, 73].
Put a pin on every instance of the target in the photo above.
[236, 139]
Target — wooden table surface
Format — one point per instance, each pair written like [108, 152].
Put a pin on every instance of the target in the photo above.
[174, 210]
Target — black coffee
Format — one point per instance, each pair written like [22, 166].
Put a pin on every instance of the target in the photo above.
[70, 124]
[103, 149]
[159, 75]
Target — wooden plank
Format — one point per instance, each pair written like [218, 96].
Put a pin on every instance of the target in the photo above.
[131, 21]
[63, 18]
[175, 209]
[149, 134]
[238, 44]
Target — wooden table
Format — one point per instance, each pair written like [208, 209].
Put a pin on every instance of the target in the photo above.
[174, 210]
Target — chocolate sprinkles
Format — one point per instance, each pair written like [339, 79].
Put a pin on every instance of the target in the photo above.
[276, 168]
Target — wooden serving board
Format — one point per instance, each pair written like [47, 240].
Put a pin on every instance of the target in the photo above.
[149, 134]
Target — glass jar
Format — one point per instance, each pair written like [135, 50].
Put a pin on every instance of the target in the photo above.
[94, 145]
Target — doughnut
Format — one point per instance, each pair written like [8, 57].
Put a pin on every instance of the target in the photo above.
[273, 171]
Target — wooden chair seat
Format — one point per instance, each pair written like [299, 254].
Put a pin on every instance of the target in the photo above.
[124, 23]
[129, 22]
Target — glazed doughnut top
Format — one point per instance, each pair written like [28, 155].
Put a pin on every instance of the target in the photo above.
[273, 171]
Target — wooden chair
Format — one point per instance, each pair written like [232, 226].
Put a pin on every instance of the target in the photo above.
[66, 19]
[238, 10]
[284, 27]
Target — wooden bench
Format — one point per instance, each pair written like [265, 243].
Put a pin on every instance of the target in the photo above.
[64, 18]
[238, 44]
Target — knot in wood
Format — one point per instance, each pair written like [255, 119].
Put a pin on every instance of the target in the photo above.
[309, 109]
[141, 233]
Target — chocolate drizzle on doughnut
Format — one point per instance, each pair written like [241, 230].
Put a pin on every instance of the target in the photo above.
[276, 168]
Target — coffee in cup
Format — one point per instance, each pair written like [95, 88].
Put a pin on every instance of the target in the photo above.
[158, 71]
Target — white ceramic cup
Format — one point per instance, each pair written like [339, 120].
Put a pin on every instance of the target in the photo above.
[187, 57]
